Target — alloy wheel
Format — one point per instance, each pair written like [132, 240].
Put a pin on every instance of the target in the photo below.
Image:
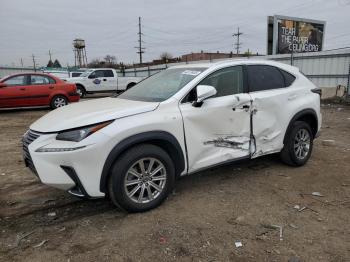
[59, 102]
[145, 180]
[302, 143]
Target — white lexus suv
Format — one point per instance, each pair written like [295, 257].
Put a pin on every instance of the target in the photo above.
[182, 120]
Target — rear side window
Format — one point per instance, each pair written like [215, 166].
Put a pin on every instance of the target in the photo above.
[76, 74]
[263, 77]
[288, 78]
[41, 80]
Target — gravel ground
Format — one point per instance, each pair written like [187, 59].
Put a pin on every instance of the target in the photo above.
[202, 219]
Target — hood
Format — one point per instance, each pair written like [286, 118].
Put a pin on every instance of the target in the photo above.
[90, 112]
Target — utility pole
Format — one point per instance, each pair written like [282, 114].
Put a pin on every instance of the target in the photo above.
[237, 44]
[33, 56]
[21, 62]
[50, 55]
[140, 48]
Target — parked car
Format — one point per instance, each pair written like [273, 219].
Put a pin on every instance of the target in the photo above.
[180, 121]
[36, 89]
[102, 80]
[62, 73]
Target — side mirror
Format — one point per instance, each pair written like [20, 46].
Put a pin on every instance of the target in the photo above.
[204, 92]
[2, 85]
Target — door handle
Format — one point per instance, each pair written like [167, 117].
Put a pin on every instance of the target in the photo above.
[104, 79]
[22, 89]
[244, 107]
[51, 87]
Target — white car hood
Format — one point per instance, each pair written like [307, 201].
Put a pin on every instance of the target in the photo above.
[90, 112]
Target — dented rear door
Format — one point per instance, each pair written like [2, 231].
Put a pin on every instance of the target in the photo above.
[274, 101]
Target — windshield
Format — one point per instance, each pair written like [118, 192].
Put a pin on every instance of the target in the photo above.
[86, 73]
[161, 86]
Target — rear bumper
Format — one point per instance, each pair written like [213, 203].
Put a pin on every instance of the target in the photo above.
[73, 97]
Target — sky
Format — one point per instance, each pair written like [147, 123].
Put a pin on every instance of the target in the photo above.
[183, 26]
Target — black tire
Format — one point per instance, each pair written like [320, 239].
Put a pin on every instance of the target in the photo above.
[58, 101]
[81, 91]
[116, 185]
[289, 152]
[130, 85]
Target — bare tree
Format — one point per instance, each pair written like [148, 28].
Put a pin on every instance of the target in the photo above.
[165, 56]
[95, 63]
[110, 59]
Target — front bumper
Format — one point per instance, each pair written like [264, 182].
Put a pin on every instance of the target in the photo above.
[77, 172]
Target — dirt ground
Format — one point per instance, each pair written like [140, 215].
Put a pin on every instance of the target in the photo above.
[201, 221]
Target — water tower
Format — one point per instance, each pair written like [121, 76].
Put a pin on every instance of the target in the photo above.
[80, 52]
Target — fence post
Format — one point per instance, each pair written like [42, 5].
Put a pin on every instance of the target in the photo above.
[149, 71]
[348, 84]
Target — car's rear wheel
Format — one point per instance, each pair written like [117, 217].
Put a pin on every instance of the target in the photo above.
[58, 101]
[142, 178]
[81, 91]
[298, 144]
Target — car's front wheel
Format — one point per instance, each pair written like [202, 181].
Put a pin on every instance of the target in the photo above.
[141, 178]
[298, 144]
[81, 91]
[58, 101]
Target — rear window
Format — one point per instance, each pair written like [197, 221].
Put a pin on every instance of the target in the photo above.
[264, 77]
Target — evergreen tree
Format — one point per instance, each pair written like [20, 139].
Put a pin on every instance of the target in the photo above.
[56, 64]
[50, 63]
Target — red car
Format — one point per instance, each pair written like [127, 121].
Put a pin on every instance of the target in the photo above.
[36, 89]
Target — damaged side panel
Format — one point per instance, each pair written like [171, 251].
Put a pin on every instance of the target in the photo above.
[272, 113]
[216, 132]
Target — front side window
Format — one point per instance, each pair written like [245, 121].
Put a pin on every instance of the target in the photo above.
[16, 81]
[108, 73]
[264, 77]
[227, 81]
[86, 73]
[99, 73]
[162, 85]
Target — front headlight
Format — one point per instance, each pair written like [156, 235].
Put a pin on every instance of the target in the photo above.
[76, 135]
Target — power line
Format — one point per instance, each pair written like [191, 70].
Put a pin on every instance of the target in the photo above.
[237, 44]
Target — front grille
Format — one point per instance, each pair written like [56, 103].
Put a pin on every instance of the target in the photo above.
[27, 139]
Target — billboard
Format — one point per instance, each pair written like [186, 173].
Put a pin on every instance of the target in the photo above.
[288, 35]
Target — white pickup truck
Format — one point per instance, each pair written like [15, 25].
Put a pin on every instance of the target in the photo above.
[102, 80]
